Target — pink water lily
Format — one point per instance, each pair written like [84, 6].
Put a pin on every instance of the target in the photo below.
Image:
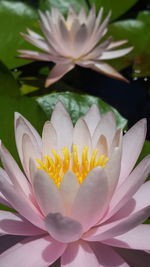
[76, 40]
[79, 198]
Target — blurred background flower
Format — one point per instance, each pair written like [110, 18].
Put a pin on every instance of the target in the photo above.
[74, 41]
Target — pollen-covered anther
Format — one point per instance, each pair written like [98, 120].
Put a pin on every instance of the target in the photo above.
[57, 165]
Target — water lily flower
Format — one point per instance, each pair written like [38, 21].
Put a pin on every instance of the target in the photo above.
[76, 40]
[79, 197]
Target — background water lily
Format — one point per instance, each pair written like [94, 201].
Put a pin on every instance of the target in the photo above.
[79, 197]
[75, 40]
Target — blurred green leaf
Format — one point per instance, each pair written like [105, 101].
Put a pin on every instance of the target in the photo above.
[77, 105]
[8, 84]
[116, 6]
[136, 31]
[144, 16]
[3, 207]
[28, 108]
[63, 5]
[15, 17]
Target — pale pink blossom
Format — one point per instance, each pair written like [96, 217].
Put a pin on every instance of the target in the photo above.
[79, 198]
[76, 40]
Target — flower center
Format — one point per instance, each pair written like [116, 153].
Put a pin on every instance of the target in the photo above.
[57, 165]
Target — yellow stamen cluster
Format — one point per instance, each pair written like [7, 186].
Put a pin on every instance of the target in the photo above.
[57, 166]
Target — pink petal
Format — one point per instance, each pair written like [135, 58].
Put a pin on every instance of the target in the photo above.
[96, 53]
[37, 55]
[91, 199]
[42, 44]
[133, 142]
[62, 228]
[115, 54]
[14, 224]
[107, 256]
[62, 123]
[21, 203]
[68, 190]
[25, 123]
[116, 44]
[112, 170]
[34, 34]
[79, 254]
[117, 141]
[29, 151]
[130, 186]
[81, 136]
[49, 138]
[107, 70]
[80, 41]
[58, 71]
[118, 227]
[22, 126]
[142, 197]
[102, 146]
[106, 127]
[137, 238]
[13, 170]
[92, 117]
[30, 252]
[47, 194]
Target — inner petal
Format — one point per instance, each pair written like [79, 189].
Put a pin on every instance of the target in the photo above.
[59, 164]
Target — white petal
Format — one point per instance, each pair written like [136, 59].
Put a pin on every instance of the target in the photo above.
[47, 194]
[106, 127]
[116, 44]
[14, 224]
[40, 43]
[57, 72]
[79, 254]
[13, 170]
[137, 238]
[22, 126]
[62, 228]
[49, 138]
[115, 54]
[91, 199]
[68, 190]
[30, 151]
[33, 252]
[130, 186]
[118, 227]
[62, 123]
[102, 146]
[20, 202]
[81, 136]
[133, 142]
[107, 70]
[92, 117]
[80, 40]
[112, 170]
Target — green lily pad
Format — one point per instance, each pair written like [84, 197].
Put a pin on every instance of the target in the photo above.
[8, 84]
[77, 105]
[136, 31]
[117, 7]
[63, 5]
[15, 17]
